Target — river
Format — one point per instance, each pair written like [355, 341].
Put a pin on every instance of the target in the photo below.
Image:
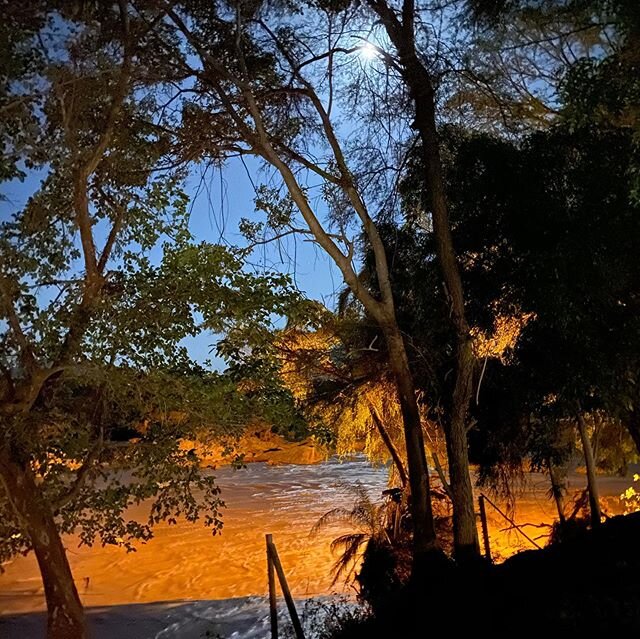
[185, 581]
[185, 562]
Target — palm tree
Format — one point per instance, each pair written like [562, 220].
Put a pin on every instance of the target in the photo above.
[375, 526]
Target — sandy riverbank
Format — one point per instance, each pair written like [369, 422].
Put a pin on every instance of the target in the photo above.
[257, 444]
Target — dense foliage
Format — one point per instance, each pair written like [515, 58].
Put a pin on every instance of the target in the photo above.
[101, 283]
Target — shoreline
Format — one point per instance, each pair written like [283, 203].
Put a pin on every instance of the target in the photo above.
[257, 445]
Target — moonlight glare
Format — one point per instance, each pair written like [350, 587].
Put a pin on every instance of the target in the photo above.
[368, 51]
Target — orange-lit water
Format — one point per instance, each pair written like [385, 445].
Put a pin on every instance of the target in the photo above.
[184, 562]
[535, 511]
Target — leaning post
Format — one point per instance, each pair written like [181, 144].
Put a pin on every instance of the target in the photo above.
[293, 613]
[485, 528]
[273, 610]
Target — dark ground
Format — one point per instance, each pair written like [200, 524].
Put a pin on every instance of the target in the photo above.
[589, 586]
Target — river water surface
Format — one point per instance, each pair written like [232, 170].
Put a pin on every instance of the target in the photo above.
[185, 563]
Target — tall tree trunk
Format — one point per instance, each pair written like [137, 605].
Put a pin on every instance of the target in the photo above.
[419, 83]
[633, 426]
[557, 489]
[465, 531]
[424, 536]
[65, 617]
[592, 486]
[388, 442]
[383, 311]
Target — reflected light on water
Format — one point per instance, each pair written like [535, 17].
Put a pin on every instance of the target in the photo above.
[184, 561]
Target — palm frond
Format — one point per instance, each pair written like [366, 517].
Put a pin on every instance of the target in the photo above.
[348, 540]
[364, 514]
[368, 519]
[348, 559]
[334, 516]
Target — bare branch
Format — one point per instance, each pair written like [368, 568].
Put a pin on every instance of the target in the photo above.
[348, 185]
[388, 442]
[293, 231]
[308, 164]
[441, 475]
[321, 56]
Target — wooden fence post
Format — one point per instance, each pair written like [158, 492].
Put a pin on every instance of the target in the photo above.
[273, 610]
[293, 613]
[485, 528]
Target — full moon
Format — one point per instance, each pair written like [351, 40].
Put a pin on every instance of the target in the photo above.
[368, 51]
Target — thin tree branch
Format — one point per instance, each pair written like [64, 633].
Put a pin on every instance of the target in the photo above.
[26, 349]
[113, 233]
[441, 475]
[347, 184]
[308, 164]
[388, 442]
[119, 95]
[83, 473]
